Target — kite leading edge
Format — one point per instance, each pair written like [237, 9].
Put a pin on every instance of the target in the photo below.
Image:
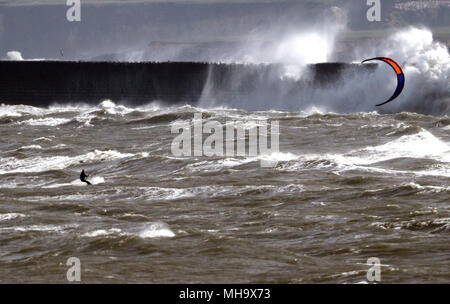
[400, 77]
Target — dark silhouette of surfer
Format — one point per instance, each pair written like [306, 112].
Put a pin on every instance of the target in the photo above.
[83, 176]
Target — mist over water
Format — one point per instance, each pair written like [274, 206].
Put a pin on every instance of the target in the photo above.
[292, 47]
[425, 63]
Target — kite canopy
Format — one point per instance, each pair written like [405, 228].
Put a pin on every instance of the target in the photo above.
[400, 76]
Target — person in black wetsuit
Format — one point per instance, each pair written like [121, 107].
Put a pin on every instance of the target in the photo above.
[83, 176]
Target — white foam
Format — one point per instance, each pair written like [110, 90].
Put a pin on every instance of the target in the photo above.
[278, 157]
[47, 228]
[31, 147]
[228, 162]
[45, 122]
[145, 128]
[43, 139]
[445, 222]
[102, 232]
[78, 183]
[5, 112]
[151, 230]
[157, 193]
[97, 180]
[10, 216]
[85, 119]
[14, 55]
[420, 145]
[111, 108]
[42, 164]
[156, 230]
[40, 228]
[429, 189]
[426, 64]
[18, 110]
[59, 146]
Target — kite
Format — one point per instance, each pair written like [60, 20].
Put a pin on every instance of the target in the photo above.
[400, 77]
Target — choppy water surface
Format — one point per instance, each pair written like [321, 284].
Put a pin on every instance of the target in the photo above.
[346, 188]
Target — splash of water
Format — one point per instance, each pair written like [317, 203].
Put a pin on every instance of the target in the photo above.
[14, 55]
[426, 65]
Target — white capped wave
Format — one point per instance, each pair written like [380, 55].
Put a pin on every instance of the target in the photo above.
[10, 216]
[85, 119]
[97, 180]
[113, 109]
[156, 230]
[49, 121]
[44, 138]
[83, 112]
[415, 224]
[216, 165]
[94, 181]
[19, 110]
[40, 228]
[420, 145]
[158, 193]
[78, 183]
[6, 113]
[59, 146]
[429, 189]
[229, 162]
[31, 147]
[278, 157]
[102, 232]
[149, 230]
[42, 164]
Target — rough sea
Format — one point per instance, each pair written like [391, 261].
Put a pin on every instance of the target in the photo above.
[346, 187]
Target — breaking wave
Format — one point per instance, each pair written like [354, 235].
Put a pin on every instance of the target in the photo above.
[295, 81]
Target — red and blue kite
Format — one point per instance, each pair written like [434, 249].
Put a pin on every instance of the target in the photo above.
[400, 77]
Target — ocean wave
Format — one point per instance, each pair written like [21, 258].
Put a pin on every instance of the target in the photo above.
[156, 230]
[30, 147]
[19, 110]
[230, 162]
[41, 164]
[431, 225]
[40, 228]
[429, 189]
[214, 191]
[102, 232]
[10, 216]
[111, 108]
[148, 230]
[50, 121]
[96, 180]
[421, 145]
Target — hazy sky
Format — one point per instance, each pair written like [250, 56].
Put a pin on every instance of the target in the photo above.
[154, 27]
[36, 2]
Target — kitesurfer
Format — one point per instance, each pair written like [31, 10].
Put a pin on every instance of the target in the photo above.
[83, 176]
